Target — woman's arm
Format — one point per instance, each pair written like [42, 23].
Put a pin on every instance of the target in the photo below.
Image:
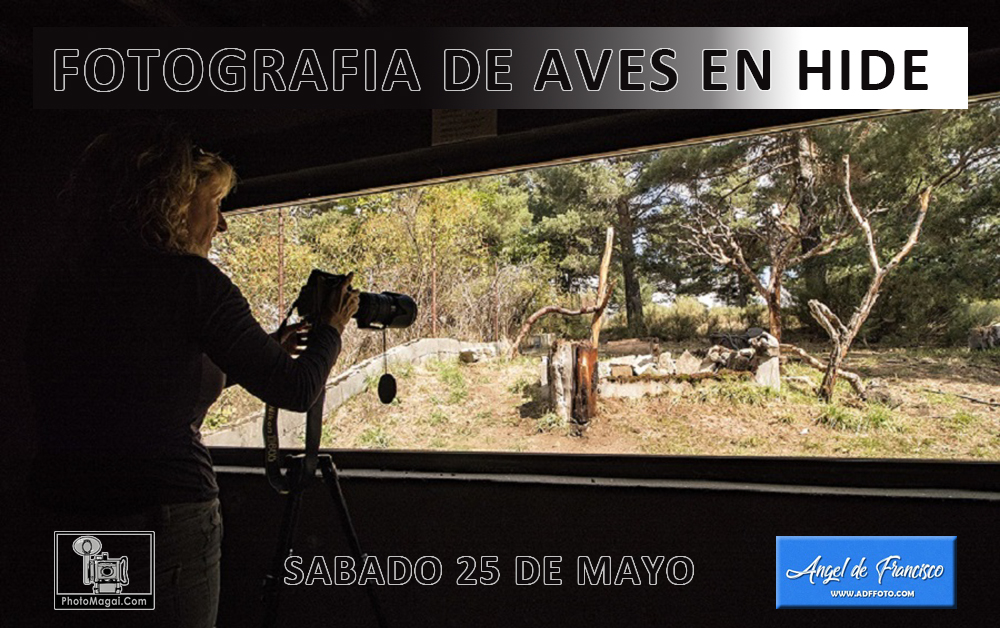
[233, 339]
[293, 339]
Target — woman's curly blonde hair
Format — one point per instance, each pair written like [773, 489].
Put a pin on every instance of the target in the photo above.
[138, 180]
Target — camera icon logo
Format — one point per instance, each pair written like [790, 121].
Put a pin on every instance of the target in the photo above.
[106, 575]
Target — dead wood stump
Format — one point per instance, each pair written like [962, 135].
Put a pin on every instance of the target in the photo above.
[573, 383]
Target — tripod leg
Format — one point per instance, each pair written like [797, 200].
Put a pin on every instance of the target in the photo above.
[332, 482]
[272, 581]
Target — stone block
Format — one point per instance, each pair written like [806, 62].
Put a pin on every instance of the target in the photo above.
[621, 370]
[688, 364]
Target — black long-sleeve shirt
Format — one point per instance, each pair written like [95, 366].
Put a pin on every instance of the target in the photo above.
[128, 349]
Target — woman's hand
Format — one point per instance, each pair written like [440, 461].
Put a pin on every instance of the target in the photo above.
[341, 305]
[293, 338]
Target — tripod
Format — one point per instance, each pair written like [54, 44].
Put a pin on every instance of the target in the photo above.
[300, 475]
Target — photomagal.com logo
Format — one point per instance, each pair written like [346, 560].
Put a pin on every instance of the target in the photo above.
[104, 570]
[865, 572]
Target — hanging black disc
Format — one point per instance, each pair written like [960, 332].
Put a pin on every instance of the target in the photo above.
[386, 388]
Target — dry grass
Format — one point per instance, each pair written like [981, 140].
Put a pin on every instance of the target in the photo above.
[496, 406]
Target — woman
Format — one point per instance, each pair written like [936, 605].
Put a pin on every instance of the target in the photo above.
[134, 338]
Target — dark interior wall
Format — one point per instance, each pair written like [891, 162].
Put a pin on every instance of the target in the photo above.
[727, 533]
[725, 528]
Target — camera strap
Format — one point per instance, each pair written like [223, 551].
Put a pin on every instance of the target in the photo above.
[284, 482]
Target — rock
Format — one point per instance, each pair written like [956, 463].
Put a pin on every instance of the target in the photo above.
[646, 368]
[679, 388]
[621, 370]
[769, 374]
[631, 390]
[543, 371]
[717, 357]
[471, 356]
[687, 364]
[765, 345]
[767, 360]
[884, 397]
[983, 338]
[742, 360]
[643, 360]
[626, 360]
[665, 364]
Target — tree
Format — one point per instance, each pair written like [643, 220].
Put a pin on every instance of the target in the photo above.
[573, 204]
[891, 157]
[842, 336]
[750, 206]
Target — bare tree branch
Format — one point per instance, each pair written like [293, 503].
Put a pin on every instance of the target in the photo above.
[853, 378]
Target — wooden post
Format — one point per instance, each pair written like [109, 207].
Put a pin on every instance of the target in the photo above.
[573, 365]
[602, 290]
[561, 380]
[585, 393]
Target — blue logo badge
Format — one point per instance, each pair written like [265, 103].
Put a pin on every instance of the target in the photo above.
[865, 572]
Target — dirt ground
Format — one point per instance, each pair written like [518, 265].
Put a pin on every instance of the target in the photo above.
[496, 406]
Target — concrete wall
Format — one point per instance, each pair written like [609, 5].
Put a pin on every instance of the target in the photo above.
[340, 388]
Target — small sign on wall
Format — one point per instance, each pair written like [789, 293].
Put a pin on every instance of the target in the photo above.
[458, 125]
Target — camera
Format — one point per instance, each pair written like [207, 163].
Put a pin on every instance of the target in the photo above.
[375, 310]
[107, 575]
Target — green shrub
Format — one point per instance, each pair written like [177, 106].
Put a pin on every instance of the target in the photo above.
[683, 320]
[974, 314]
[755, 315]
[689, 318]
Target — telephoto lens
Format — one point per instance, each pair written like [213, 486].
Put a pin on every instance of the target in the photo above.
[385, 310]
[375, 310]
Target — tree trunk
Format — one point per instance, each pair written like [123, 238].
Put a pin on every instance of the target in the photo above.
[496, 301]
[633, 296]
[434, 282]
[774, 310]
[813, 270]
[832, 369]
[603, 290]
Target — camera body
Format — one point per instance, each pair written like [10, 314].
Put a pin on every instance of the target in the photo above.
[107, 575]
[375, 310]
